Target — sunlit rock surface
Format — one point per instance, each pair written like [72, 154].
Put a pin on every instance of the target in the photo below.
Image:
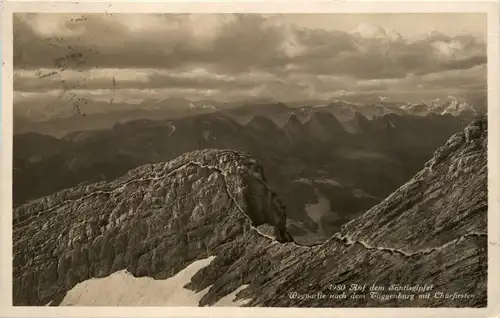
[158, 219]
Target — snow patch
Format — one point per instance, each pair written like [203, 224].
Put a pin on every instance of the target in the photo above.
[206, 134]
[173, 129]
[123, 289]
[230, 300]
[208, 106]
[317, 210]
[358, 193]
[303, 180]
[329, 181]
[456, 108]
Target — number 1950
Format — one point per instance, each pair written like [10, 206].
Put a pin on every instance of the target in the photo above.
[333, 287]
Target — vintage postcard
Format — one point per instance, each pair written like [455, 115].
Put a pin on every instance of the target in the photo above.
[250, 159]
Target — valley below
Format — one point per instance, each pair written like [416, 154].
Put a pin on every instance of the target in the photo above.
[311, 160]
[263, 231]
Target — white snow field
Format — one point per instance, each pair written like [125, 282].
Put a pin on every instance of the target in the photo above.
[123, 289]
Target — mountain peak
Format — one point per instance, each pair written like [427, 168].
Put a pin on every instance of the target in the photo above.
[474, 135]
[153, 221]
[261, 121]
[293, 119]
[452, 186]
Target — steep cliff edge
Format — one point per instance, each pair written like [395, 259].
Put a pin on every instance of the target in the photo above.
[448, 198]
[431, 231]
[159, 218]
[153, 221]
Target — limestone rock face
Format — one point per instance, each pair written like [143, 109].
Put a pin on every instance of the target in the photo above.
[448, 198]
[159, 218]
[432, 231]
[153, 221]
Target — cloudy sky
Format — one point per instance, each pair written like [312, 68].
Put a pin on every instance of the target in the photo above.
[289, 57]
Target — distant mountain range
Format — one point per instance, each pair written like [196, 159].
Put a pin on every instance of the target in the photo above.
[103, 115]
[325, 171]
[453, 107]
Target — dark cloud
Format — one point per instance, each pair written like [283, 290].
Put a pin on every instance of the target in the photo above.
[41, 81]
[241, 44]
[378, 58]
[290, 61]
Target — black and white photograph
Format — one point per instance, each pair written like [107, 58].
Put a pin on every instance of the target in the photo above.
[312, 160]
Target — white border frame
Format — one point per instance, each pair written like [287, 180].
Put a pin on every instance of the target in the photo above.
[271, 6]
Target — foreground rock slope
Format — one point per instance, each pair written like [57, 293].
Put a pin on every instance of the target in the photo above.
[159, 218]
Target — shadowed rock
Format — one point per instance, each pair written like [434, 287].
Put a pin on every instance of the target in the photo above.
[159, 218]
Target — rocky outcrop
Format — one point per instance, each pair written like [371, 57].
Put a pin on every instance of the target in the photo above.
[448, 198]
[159, 218]
[153, 221]
[432, 231]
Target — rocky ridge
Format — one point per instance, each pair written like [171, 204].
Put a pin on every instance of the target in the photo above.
[375, 159]
[159, 218]
[173, 212]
